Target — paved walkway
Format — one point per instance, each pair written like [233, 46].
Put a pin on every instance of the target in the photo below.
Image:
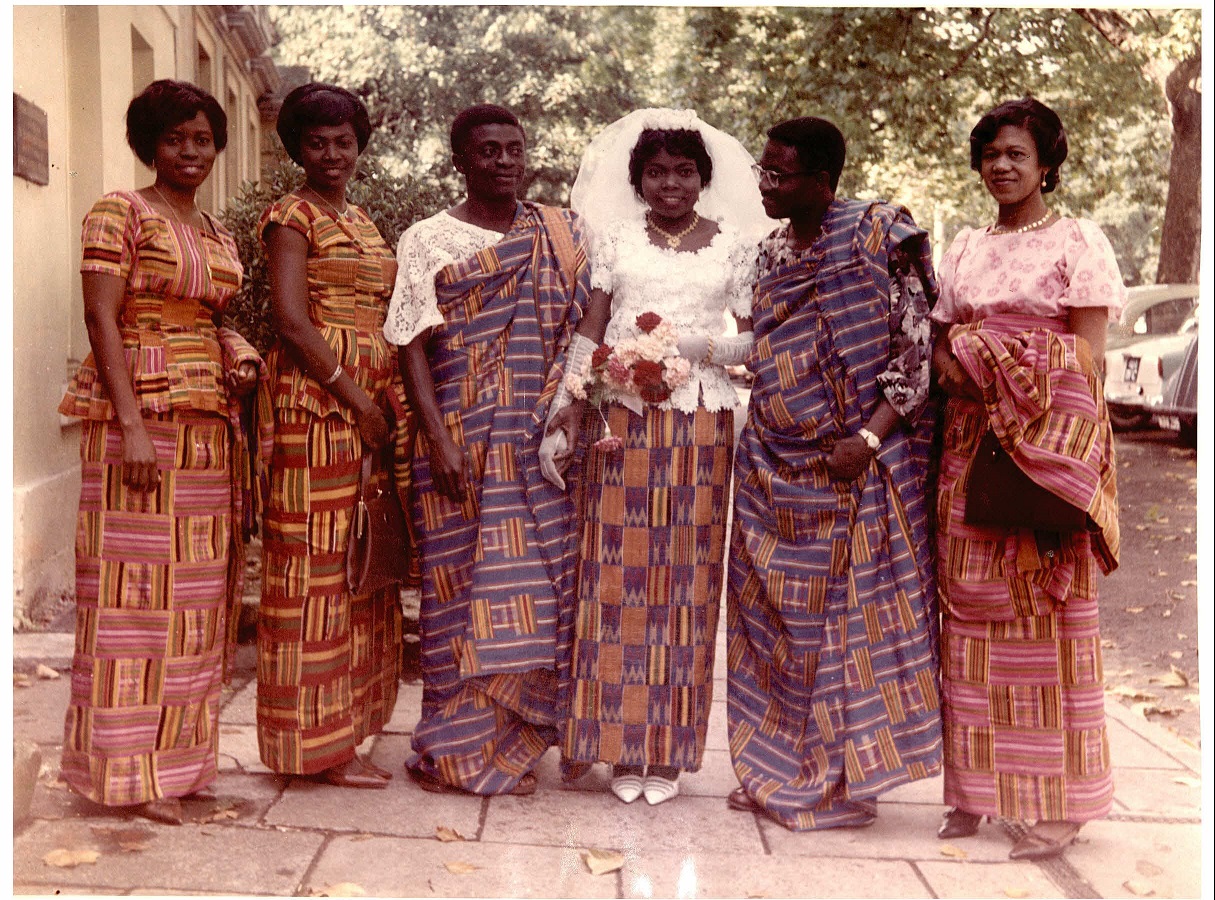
[267, 835]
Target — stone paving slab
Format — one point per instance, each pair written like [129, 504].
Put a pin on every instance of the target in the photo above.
[407, 711]
[402, 867]
[228, 859]
[979, 879]
[240, 708]
[651, 874]
[1163, 858]
[38, 710]
[238, 749]
[1159, 735]
[1130, 749]
[1165, 793]
[576, 818]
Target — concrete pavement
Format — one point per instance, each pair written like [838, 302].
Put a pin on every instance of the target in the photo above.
[274, 836]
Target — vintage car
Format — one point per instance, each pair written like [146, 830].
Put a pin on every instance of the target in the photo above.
[1145, 347]
[1178, 410]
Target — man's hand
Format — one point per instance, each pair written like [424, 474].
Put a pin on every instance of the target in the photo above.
[849, 458]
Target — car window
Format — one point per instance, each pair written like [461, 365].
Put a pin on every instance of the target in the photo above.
[1166, 317]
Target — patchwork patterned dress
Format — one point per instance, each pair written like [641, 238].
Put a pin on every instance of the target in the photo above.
[653, 516]
[158, 574]
[1021, 677]
[497, 570]
[328, 661]
[832, 691]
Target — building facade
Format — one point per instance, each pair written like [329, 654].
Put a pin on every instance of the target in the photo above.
[75, 69]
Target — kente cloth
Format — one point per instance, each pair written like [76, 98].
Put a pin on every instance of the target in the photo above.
[831, 606]
[1021, 675]
[653, 519]
[328, 660]
[176, 279]
[498, 568]
[151, 613]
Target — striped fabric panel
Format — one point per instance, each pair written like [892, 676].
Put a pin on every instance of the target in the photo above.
[351, 272]
[142, 719]
[177, 278]
[649, 587]
[831, 599]
[498, 568]
[328, 661]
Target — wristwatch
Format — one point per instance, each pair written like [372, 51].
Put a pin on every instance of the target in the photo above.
[871, 439]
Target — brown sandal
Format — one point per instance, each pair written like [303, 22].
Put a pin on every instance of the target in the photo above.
[1038, 845]
[958, 823]
[166, 810]
[351, 775]
[435, 785]
[740, 800]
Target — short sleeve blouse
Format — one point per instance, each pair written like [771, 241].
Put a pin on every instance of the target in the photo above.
[691, 290]
[350, 272]
[177, 278]
[1068, 264]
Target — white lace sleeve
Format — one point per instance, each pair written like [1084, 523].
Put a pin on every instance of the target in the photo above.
[603, 251]
[414, 306]
[741, 277]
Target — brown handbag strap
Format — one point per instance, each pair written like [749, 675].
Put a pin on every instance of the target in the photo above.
[562, 239]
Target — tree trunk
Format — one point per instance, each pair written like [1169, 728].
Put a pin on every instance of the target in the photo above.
[1180, 237]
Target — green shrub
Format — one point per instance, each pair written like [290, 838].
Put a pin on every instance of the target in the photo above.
[393, 203]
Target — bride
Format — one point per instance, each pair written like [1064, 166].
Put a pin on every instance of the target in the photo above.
[673, 213]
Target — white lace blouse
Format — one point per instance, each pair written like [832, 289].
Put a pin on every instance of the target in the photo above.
[425, 248]
[691, 290]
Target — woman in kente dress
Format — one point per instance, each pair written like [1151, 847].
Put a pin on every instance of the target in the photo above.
[1024, 305]
[674, 214]
[159, 548]
[328, 660]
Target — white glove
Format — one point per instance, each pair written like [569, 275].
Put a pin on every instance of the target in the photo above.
[693, 347]
[718, 351]
[553, 445]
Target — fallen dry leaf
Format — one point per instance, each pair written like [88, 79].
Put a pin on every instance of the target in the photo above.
[601, 862]
[1148, 869]
[460, 868]
[1107, 644]
[129, 840]
[955, 852]
[446, 835]
[1176, 654]
[1173, 678]
[342, 889]
[1139, 888]
[45, 672]
[1136, 610]
[224, 814]
[1188, 781]
[1189, 582]
[69, 859]
[1130, 693]
[20, 679]
[1015, 892]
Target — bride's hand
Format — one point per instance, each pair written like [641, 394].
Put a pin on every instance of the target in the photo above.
[694, 347]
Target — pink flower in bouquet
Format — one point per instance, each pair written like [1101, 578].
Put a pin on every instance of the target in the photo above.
[648, 321]
[676, 372]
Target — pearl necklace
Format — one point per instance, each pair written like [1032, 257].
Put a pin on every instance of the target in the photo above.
[172, 208]
[673, 240]
[329, 206]
[1000, 229]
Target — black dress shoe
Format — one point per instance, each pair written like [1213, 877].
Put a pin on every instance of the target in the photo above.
[1045, 842]
[958, 823]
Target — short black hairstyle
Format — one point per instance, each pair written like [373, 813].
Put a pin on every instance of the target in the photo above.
[685, 142]
[165, 104]
[319, 104]
[819, 144]
[475, 116]
[1039, 120]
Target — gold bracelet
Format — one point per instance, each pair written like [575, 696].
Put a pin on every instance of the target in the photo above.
[709, 355]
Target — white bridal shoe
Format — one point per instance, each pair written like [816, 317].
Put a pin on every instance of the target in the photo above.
[627, 787]
[660, 790]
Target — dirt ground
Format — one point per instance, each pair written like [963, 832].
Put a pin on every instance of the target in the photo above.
[1149, 605]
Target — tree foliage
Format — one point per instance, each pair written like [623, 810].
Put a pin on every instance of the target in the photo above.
[905, 86]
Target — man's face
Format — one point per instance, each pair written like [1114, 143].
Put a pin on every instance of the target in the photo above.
[787, 189]
[492, 161]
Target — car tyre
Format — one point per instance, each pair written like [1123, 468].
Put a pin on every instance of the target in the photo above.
[1128, 419]
[1187, 434]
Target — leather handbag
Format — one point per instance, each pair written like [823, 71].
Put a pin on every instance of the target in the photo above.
[377, 549]
[999, 494]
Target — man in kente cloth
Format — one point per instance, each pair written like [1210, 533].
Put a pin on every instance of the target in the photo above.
[486, 300]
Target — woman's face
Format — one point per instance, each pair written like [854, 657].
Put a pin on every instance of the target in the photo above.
[185, 153]
[670, 185]
[329, 154]
[1009, 166]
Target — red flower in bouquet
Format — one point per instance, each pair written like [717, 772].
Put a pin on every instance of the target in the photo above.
[647, 376]
[648, 321]
[601, 355]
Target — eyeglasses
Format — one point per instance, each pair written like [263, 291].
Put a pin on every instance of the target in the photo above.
[777, 178]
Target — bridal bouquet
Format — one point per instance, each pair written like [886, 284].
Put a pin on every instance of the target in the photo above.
[644, 369]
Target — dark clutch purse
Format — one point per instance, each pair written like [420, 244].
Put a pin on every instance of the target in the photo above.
[999, 494]
[377, 550]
